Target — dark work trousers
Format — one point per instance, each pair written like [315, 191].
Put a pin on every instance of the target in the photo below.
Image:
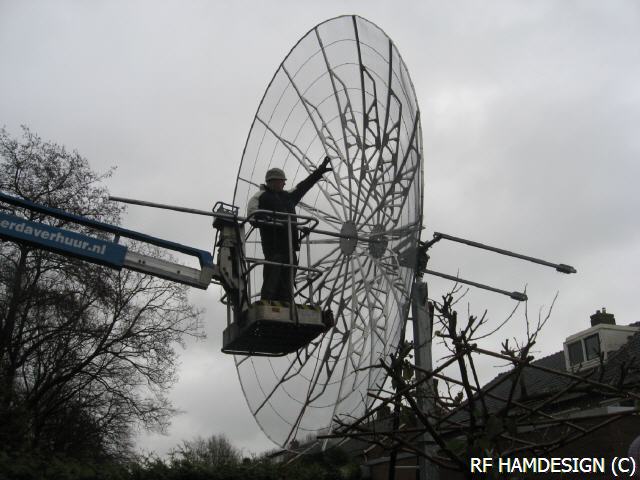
[276, 279]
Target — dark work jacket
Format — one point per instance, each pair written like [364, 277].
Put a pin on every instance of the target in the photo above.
[274, 238]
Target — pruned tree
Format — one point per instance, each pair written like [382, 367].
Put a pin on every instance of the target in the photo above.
[86, 352]
[461, 416]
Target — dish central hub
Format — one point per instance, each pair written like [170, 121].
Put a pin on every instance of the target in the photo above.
[349, 241]
[378, 242]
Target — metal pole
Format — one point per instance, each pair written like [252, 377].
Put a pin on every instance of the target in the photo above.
[164, 206]
[358, 237]
[560, 267]
[519, 296]
[422, 334]
[309, 266]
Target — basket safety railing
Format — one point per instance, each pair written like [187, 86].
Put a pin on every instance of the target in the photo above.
[302, 225]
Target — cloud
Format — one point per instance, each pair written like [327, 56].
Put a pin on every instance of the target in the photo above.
[529, 114]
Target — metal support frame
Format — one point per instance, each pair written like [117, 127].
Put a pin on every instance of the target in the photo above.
[519, 296]
[560, 267]
[422, 336]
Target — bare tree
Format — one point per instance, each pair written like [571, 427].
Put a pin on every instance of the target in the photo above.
[85, 352]
[214, 451]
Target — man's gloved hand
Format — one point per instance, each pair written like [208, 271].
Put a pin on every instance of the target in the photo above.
[325, 166]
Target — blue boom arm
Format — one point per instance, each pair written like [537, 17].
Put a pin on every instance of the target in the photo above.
[96, 250]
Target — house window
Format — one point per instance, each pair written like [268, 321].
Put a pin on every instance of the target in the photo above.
[575, 353]
[592, 346]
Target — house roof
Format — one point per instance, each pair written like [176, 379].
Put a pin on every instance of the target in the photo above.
[536, 385]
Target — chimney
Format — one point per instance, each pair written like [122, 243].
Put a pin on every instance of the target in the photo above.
[602, 317]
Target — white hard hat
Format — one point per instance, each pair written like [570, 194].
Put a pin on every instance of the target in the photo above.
[275, 174]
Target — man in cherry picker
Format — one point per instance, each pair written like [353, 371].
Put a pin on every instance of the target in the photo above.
[276, 282]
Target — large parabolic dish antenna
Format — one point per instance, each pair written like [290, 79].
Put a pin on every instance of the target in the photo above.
[342, 91]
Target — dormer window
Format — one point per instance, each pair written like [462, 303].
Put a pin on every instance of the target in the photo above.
[592, 346]
[584, 349]
[575, 353]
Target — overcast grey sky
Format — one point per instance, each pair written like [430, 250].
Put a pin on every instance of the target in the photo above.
[529, 116]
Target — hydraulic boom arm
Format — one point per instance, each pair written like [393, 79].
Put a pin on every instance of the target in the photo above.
[101, 251]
